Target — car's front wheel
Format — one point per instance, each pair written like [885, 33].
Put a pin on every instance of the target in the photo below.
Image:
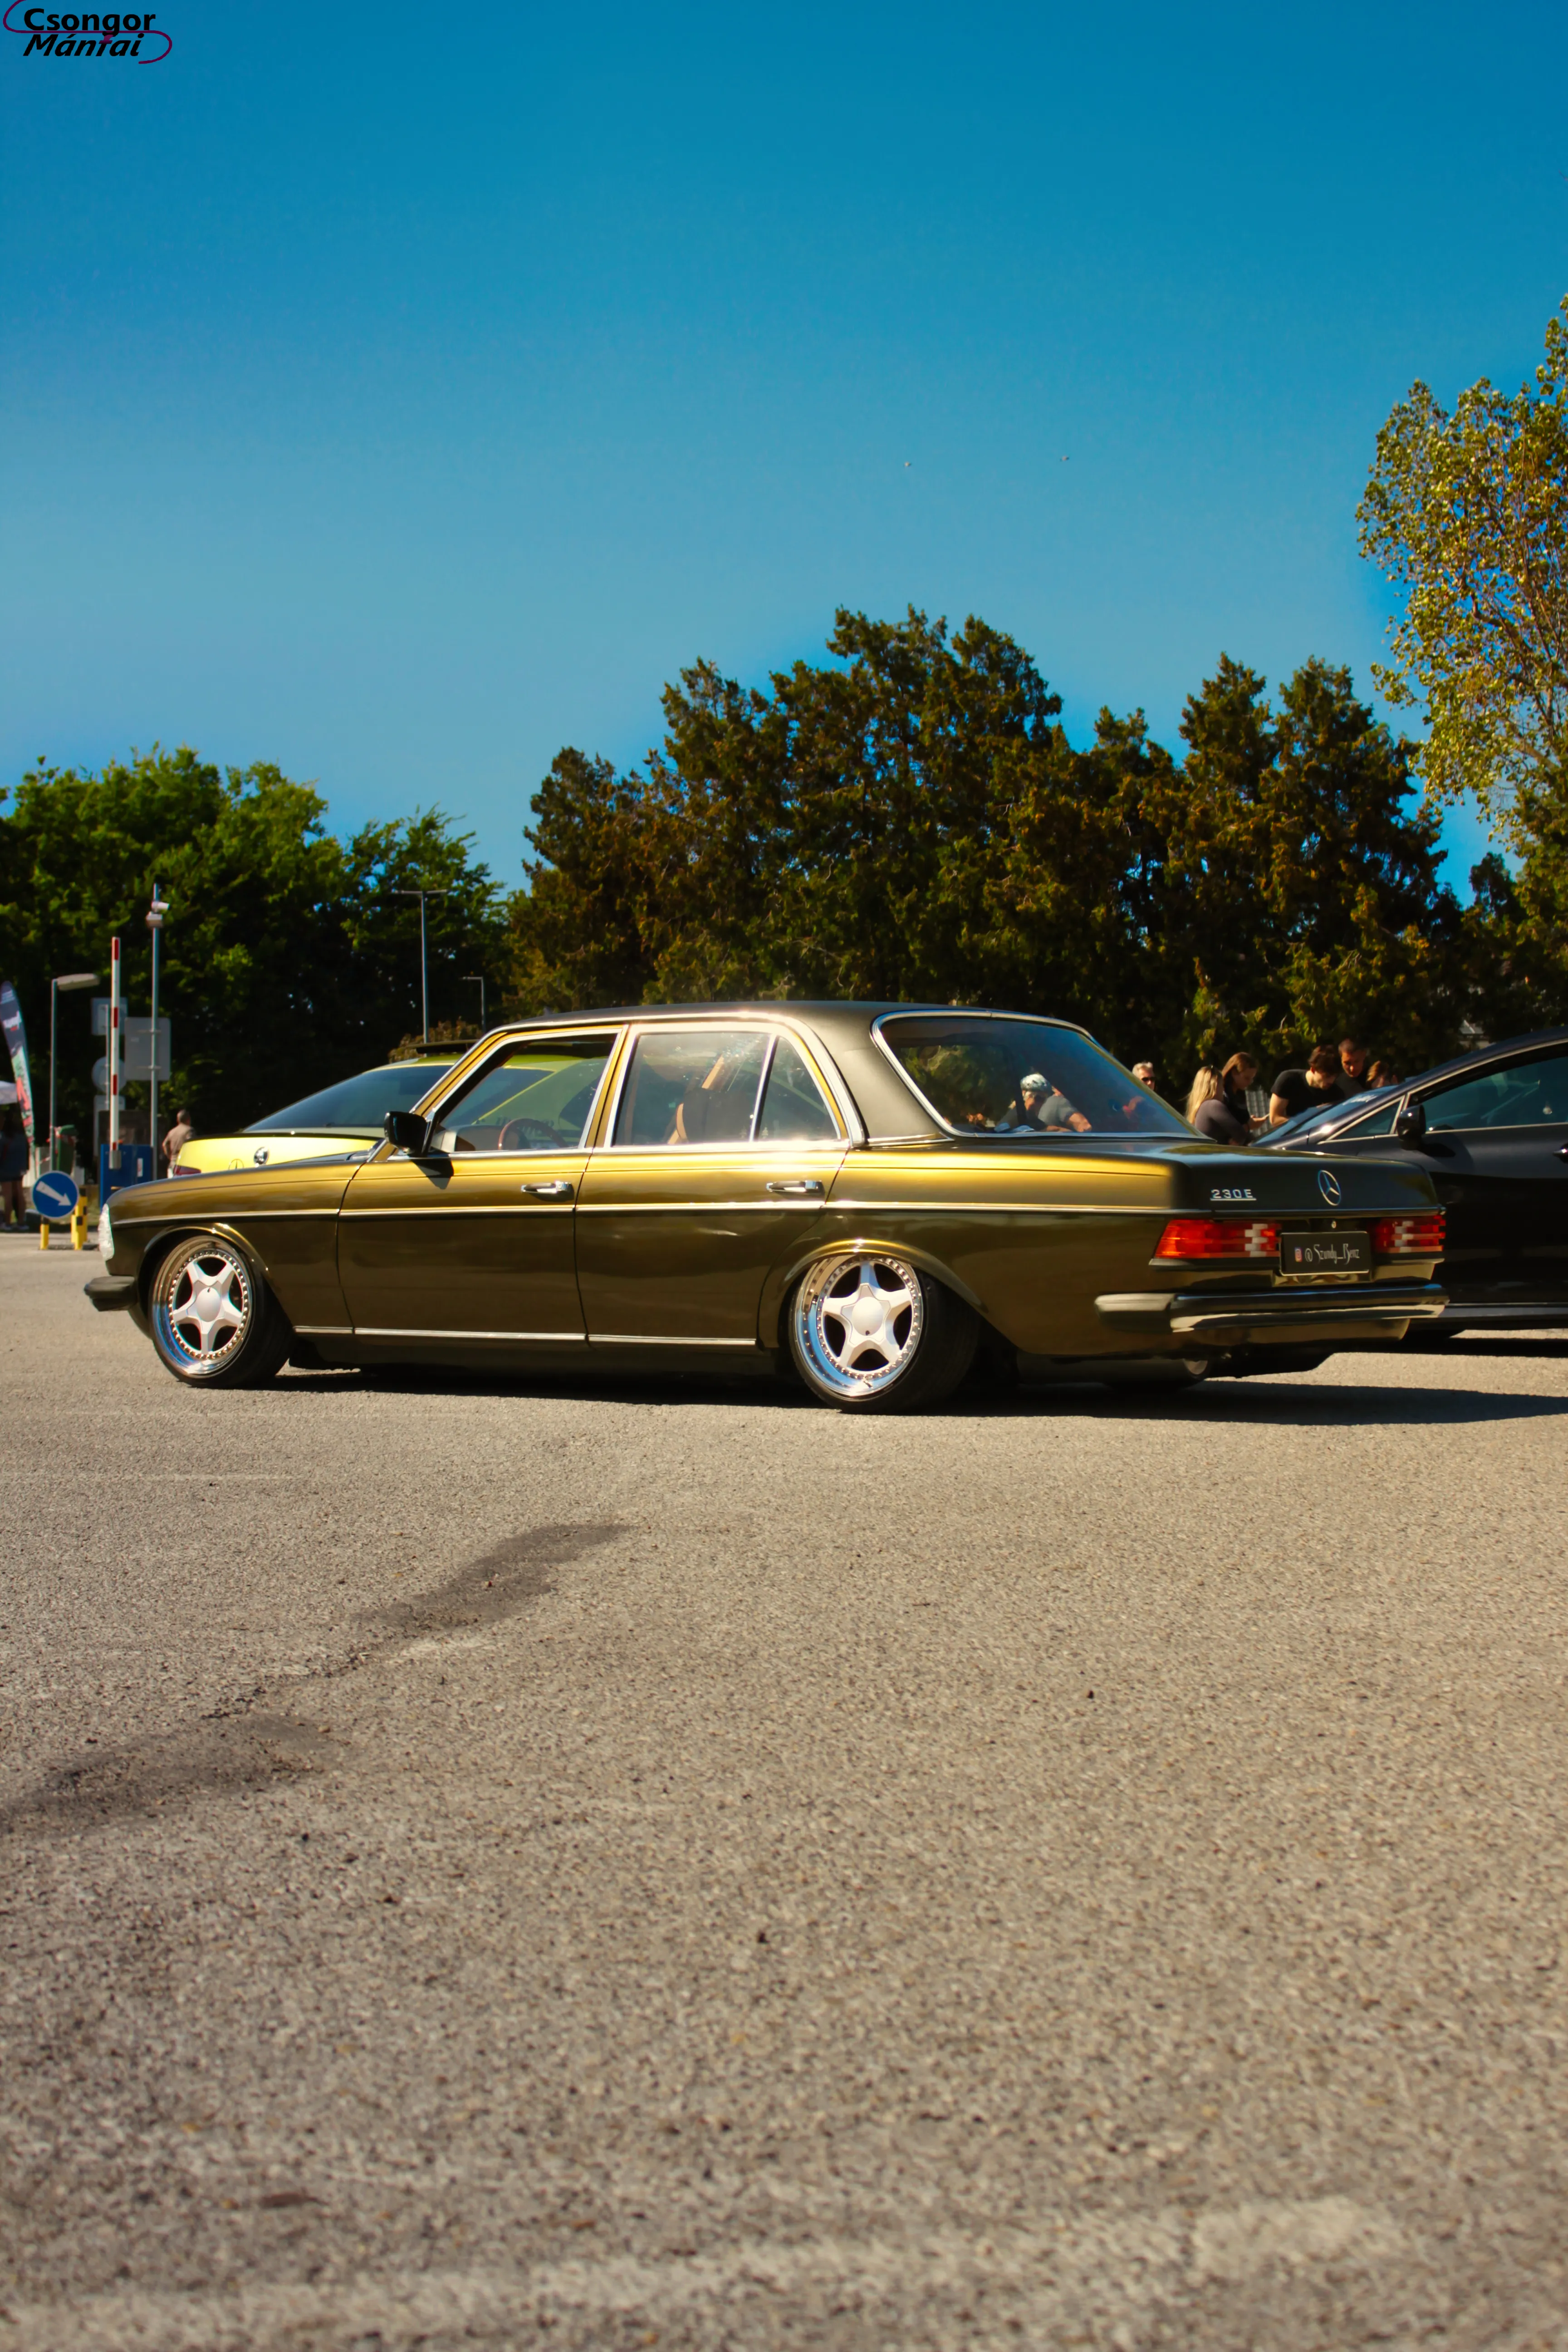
[873, 1334]
[214, 1323]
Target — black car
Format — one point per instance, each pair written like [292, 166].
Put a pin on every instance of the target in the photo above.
[1491, 1131]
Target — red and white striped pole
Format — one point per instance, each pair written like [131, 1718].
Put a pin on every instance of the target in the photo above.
[114, 1045]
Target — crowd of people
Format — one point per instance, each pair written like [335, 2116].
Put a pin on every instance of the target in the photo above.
[1217, 1103]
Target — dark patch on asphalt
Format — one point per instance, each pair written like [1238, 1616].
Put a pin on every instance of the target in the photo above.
[495, 1586]
[210, 1758]
[255, 1744]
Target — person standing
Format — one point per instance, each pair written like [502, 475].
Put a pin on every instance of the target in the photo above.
[175, 1142]
[1223, 1116]
[13, 1164]
[1312, 1088]
[1351, 1073]
[1205, 1086]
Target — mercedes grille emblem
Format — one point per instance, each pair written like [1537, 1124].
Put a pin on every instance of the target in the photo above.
[1329, 1186]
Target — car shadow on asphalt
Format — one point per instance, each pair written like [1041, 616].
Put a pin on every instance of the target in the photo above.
[1272, 1403]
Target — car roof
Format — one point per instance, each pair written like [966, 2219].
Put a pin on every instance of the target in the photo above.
[888, 1107]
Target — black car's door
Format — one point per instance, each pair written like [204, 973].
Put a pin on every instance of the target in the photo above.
[1496, 1147]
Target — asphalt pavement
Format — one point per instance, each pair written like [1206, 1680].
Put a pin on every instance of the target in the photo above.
[518, 1864]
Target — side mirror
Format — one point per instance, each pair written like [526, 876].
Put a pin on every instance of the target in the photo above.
[407, 1131]
[1410, 1126]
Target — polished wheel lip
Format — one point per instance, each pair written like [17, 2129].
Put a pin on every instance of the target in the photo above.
[206, 1292]
[859, 1330]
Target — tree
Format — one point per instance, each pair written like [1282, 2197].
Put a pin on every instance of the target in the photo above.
[1467, 515]
[1300, 893]
[285, 963]
[907, 819]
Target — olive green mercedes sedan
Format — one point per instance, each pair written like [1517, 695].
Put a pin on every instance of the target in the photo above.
[868, 1195]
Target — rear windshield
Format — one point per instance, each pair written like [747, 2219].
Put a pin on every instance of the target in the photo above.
[1022, 1078]
[358, 1106]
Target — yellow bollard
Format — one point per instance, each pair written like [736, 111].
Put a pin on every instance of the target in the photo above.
[43, 1237]
[78, 1226]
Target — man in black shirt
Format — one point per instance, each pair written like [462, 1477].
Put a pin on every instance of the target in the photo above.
[1313, 1088]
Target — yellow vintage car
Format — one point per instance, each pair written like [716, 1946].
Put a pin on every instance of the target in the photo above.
[352, 1113]
[867, 1196]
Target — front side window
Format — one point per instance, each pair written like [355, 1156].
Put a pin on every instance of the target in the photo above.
[692, 1086]
[535, 1096]
[1531, 1094]
[1021, 1078]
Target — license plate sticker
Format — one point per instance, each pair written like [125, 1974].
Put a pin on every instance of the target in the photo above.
[1325, 1254]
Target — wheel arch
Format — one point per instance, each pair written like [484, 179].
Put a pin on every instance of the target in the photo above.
[783, 1280]
[169, 1237]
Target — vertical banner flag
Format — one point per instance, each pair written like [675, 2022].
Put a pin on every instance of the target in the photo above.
[17, 1039]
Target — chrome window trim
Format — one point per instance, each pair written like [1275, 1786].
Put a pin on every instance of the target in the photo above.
[615, 1033]
[818, 1063]
[1036, 1020]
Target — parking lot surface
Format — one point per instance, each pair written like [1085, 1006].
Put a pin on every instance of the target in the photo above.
[594, 1865]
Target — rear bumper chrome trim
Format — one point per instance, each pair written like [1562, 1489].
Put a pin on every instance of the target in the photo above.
[1219, 1314]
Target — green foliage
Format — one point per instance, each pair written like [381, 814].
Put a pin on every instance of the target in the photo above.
[907, 819]
[286, 960]
[1467, 515]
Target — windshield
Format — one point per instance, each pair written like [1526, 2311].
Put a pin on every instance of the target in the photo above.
[357, 1106]
[1328, 1118]
[986, 1074]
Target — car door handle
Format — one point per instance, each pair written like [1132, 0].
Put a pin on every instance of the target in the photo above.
[557, 1190]
[800, 1188]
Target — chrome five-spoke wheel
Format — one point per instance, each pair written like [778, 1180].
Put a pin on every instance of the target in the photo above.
[213, 1319]
[869, 1330]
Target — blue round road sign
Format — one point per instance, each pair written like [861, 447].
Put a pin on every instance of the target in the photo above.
[55, 1197]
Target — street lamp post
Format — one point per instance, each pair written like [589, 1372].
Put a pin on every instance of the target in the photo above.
[61, 980]
[480, 978]
[424, 961]
[155, 914]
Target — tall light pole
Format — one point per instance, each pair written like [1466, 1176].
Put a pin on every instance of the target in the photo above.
[61, 980]
[424, 963]
[480, 978]
[155, 914]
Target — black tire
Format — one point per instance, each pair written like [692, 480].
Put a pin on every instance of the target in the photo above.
[913, 1344]
[214, 1323]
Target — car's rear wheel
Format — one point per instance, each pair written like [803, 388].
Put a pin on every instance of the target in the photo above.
[873, 1334]
[214, 1323]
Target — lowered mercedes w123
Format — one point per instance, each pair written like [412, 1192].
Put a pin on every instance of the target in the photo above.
[869, 1193]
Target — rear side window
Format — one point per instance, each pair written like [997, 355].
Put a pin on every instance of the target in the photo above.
[1530, 1093]
[794, 1111]
[692, 1087]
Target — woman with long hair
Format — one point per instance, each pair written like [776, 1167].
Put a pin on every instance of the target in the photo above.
[1203, 1088]
[1222, 1116]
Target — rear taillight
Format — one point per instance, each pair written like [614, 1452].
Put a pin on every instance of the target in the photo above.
[1408, 1236]
[1200, 1237]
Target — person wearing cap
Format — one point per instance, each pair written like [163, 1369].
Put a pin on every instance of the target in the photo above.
[1040, 1106]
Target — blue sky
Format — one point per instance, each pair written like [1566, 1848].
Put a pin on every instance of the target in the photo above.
[402, 393]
